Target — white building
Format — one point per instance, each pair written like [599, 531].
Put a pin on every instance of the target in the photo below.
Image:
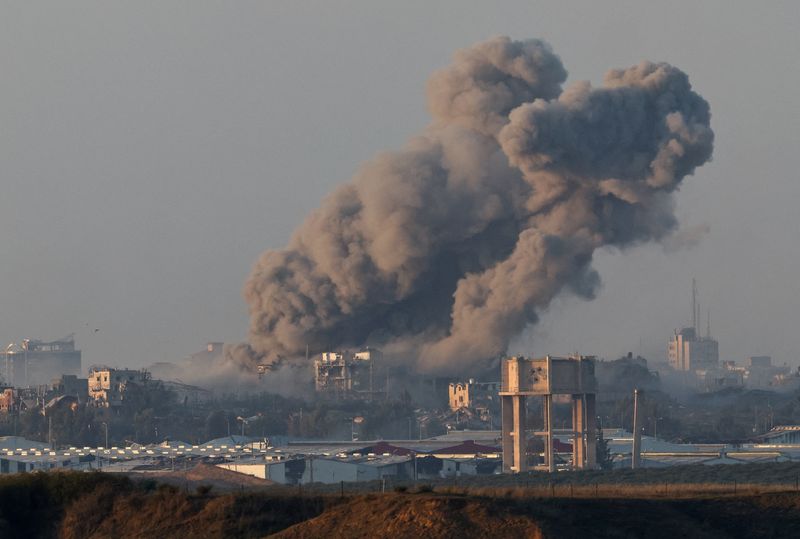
[282, 470]
[761, 374]
[356, 467]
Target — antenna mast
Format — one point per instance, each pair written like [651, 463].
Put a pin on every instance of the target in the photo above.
[699, 320]
[694, 304]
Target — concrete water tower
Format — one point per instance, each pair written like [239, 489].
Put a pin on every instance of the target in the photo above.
[545, 377]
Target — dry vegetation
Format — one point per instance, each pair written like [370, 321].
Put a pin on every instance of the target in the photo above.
[520, 514]
[95, 505]
[415, 516]
[171, 513]
[619, 491]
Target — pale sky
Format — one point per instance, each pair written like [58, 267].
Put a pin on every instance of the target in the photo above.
[150, 151]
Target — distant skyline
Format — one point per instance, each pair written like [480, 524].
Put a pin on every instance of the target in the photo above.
[151, 151]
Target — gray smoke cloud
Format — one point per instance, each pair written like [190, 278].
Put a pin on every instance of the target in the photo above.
[685, 238]
[448, 248]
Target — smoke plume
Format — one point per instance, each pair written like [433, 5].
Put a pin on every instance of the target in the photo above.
[449, 247]
[685, 238]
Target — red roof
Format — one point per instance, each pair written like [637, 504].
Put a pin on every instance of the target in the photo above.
[561, 447]
[384, 447]
[468, 447]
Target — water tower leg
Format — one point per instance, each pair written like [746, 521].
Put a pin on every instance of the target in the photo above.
[578, 429]
[591, 431]
[508, 430]
[548, 438]
[520, 442]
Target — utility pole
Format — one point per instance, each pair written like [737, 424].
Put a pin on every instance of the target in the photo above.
[636, 454]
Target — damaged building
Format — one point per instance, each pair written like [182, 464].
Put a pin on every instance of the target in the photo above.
[107, 386]
[34, 362]
[346, 375]
[472, 394]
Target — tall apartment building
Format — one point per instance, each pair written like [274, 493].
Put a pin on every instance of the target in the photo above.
[33, 362]
[689, 352]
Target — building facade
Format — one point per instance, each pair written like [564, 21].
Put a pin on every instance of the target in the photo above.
[472, 394]
[9, 400]
[34, 362]
[107, 386]
[344, 375]
[71, 386]
[760, 373]
[689, 352]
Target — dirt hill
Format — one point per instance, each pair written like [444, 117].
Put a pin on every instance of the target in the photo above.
[96, 505]
[414, 516]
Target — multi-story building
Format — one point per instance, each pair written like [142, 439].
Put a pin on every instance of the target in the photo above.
[472, 394]
[107, 386]
[71, 386]
[689, 352]
[34, 362]
[760, 373]
[346, 375]
[710, 380]
[9, 400]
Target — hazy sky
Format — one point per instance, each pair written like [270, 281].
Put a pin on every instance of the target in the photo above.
[150, 151]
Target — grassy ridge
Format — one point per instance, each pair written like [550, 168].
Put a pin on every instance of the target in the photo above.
[31, 505]
[97, 505]
[74, 505]
[447, 515]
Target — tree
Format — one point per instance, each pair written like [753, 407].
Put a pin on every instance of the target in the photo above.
[32, 424]
[602, 452]
[144, 423]
[217, 424]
